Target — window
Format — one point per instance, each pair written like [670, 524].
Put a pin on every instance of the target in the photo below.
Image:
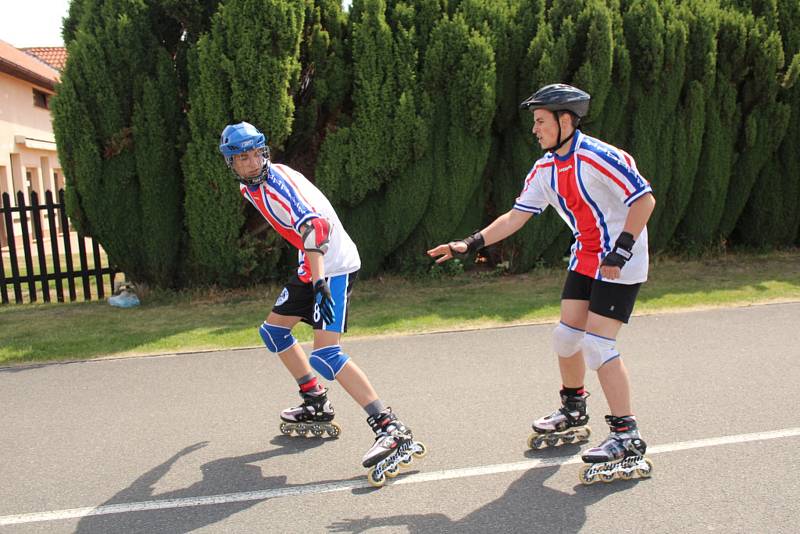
[41, 99]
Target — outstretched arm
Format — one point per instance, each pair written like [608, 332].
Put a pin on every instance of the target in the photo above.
[499, 229]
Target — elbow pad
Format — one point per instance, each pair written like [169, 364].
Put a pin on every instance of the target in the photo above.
[316, 235]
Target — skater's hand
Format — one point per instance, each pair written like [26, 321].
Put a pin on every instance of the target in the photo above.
[615, 260]
[323, 302]
[610, 273]
[448, 250]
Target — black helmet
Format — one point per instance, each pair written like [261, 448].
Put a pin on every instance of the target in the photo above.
[559, 97]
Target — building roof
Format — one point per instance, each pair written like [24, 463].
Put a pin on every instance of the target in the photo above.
[55, 56]
[20, 65]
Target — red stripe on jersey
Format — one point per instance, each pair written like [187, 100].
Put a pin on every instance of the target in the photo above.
[259, 202]
[283, 204]
[605, 171]
[589, 236]
[533, 173]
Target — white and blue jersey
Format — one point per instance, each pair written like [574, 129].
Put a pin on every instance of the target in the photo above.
[287, 200]
[591, 188]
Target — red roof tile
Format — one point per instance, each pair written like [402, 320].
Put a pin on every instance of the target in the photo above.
[26, 67]
[55, 56]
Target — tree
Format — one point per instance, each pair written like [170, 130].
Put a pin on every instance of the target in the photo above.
[117, 123]
[245, 68]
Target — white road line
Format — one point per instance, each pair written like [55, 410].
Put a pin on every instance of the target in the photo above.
[415, 478]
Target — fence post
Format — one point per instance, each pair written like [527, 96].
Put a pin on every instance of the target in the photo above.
[67, 244]
[51, 220]
[36, 218]
[12, 246]
[26, 245]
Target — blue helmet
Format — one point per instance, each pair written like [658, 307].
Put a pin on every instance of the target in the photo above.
[240, 138]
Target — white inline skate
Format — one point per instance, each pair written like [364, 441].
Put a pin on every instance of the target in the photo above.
[565, 425]
[314, 416]
[394, 448]
[619, 456]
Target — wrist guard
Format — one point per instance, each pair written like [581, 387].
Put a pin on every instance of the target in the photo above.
[622, 251]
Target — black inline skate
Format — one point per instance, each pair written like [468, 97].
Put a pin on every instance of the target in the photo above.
[620, 455]
[565, 425]
[394, 447]
[315, 415]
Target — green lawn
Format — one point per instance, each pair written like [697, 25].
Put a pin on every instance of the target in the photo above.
[390, 305]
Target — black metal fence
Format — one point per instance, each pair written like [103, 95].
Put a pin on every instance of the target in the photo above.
[48, 267]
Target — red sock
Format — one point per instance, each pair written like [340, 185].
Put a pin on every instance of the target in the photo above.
[572, 391]
[311, 385]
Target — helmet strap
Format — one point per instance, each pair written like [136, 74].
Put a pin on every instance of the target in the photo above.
[561, 142]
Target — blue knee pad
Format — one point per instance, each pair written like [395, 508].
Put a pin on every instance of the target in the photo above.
[328, 361]
[276, 338]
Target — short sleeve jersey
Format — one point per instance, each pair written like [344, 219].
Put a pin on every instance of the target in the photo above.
[591, 188]
[287, 200]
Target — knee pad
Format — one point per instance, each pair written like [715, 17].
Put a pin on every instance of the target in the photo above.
[328, 361]
[567, 340]
[276, 338]
[598, 350]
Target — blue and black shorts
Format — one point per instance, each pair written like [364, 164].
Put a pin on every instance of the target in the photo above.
[297, 300]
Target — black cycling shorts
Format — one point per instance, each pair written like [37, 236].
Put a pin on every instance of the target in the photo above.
[605, 298]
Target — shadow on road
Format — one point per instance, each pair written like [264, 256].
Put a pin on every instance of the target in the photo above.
[526, 506]
[225, 475]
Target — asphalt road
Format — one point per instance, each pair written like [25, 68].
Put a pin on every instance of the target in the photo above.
[187, 443]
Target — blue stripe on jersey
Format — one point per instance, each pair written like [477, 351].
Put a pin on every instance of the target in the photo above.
[598, 213]
[281, 186]
[608, 155]
[531, 209]
[267, 204]
[637, 195]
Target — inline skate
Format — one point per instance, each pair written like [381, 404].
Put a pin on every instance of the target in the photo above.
[619, 456]
[565, 425]
[394, 447]
[315, 415]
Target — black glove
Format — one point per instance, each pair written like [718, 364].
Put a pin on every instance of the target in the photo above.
[323, 302]
[473, 242]
[621, 253]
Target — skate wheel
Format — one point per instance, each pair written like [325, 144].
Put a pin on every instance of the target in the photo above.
[607, 477]
[626, 475]
[421, 452]
[334, 430]
[393, 471]
[535, 441]
[375, 481]
[317, 431]
[286, 430]
[646, 472]
[301, 430]
[568, 438]
[585, 479]
[552, 441]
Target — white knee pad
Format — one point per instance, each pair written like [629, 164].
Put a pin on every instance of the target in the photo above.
[598, 350]
[566, 340]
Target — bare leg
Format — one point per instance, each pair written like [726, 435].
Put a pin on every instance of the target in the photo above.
[616, 386]
[573, 369]
[613, 375]
[293, 358]
[351, 377]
